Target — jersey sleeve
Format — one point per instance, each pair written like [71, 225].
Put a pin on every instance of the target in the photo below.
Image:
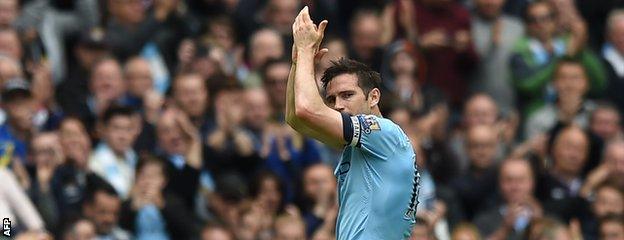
[371, 133]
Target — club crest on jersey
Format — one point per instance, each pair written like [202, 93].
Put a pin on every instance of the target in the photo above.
[369, 123]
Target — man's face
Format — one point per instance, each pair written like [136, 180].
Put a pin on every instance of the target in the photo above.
[43, 149]
[10, 44]
[270, 195]
[612, 230]
[489, 8]
[264, 46]
[191, 95]
[258, 109]
[614, 156]
[366, 33]
[139, 77]
[276, 81]
[480, 110]
[8, 70]
[343, 94]
[605, 123]
[608, 201]
[481, 146]
[541, 21]
[8, 12]
[281, 14]
[21, 112]
[151, 176]
[318, 181]
[75, 141]
[104, 212]
[516, 181]
[570, 151]
[107, 81]
[119, 133]
[570, 82]
[616, 35]
[170, 137]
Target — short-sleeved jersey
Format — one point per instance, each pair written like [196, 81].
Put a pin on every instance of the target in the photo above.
[377, 180]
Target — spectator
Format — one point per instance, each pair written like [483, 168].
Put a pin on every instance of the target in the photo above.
[9, 69]
[231, 147]
[494, 34]
[477, 187]
[46, 155]
[605, 122]
[86, 53]
[55, 22]
[151, 212]
[9, 11]
[264, 45]
[479, 109]
[611, 168]
[16, 132]
[510, 219]
[102, 206]
[279, 15]
[535, 57]
[613, 54]
[114, 159]
[442, 29]
[275, 76]
[130, 26]
[180, 145]
[560, 186]
[607, 199]
[141, 91]
[319, 190]
[49, 114]
[258, 114]
[70, 180]
[365, 42]
[190, 94]
[612, 228]
[10, 44]
[571, 83]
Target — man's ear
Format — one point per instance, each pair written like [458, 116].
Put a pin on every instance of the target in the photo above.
[374, 96]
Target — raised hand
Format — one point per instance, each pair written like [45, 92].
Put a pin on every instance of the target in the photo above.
[305, 33]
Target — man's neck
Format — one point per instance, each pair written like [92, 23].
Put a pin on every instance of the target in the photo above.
[563, 176]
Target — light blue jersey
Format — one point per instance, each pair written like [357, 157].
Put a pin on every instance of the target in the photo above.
[377, 181]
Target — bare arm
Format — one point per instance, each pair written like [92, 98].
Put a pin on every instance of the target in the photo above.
[306, 112]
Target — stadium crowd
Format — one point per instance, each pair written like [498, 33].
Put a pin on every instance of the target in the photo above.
[164, 119]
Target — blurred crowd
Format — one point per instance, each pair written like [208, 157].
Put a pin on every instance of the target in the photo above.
[164, 119]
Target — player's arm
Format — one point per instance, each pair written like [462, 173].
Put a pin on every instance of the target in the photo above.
[306, 112]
